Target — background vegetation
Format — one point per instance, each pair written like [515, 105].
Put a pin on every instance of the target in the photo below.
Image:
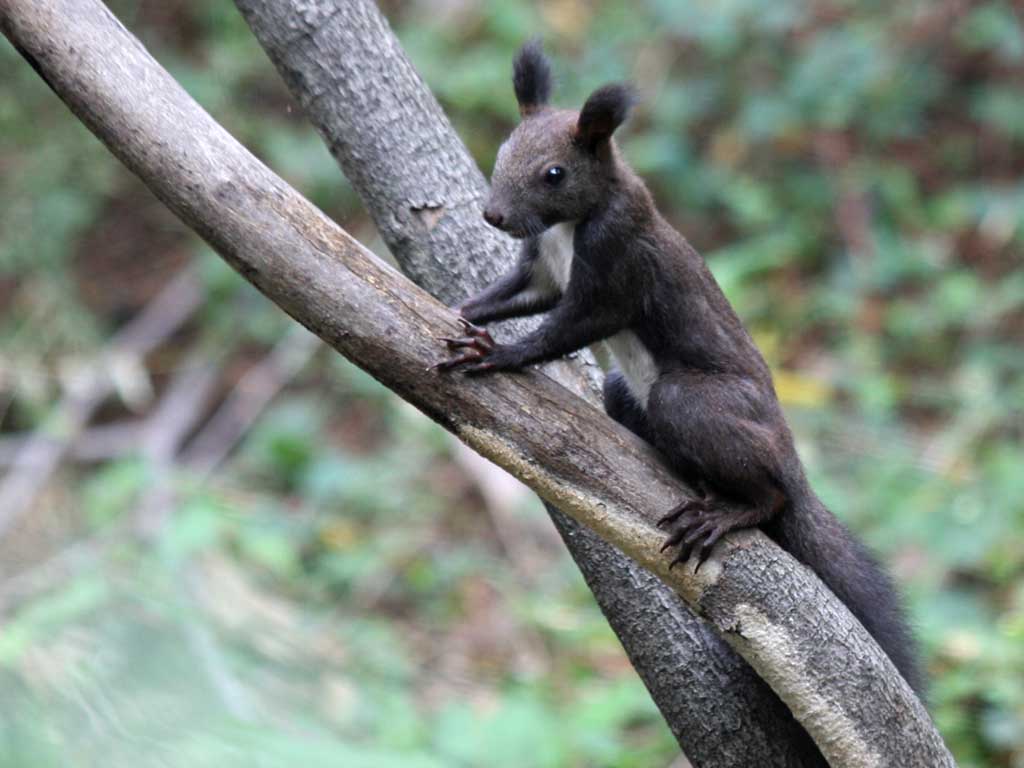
[347, 586]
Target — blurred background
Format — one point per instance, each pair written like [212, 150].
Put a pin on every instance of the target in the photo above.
[221, 545]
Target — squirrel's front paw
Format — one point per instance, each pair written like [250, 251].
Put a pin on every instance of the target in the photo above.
[471, 349]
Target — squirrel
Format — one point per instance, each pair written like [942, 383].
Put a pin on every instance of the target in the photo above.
[601, 260]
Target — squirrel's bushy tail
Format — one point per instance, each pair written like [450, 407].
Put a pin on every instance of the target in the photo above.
[815, 537]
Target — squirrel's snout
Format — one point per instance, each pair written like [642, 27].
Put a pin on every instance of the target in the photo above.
[494, 218]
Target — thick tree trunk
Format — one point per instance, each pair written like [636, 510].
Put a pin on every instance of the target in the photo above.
[775, 613]
[391, 138]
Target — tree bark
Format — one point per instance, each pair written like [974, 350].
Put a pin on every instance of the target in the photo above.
[393, 141]
[775, 613]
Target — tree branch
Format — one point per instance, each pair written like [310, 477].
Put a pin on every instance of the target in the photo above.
[775, 613]
[349, 73]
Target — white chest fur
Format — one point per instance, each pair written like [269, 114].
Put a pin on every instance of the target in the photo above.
[556, 251]
[628, 353]
[632, 358]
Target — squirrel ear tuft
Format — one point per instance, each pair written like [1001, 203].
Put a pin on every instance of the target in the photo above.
[531, 77]
[604, 111]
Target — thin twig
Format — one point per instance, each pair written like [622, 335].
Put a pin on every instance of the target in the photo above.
[167, 429]
[99, 443]
[202, 456]
[42, 455]
[246, 403]
[501, 492]
[158, 438]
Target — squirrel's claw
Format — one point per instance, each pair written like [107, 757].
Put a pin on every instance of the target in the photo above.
[476, 345]
[476, 331]
[697, 525]
[690, 505]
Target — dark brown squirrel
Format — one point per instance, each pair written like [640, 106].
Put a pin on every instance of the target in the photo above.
[688, 378]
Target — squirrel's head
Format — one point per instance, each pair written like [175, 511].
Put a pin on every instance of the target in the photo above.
[557, 164]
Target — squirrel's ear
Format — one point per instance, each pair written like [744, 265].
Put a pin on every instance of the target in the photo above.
[531, 77]
[604, 111]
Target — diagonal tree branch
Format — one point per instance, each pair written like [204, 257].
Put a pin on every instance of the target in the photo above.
[349, 73]
[776, 614]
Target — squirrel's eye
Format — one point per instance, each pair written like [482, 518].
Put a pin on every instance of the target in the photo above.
[554, 175]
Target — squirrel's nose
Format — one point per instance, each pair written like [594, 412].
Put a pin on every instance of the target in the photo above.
[493, 218]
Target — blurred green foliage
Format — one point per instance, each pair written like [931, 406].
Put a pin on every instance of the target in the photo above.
[337, 593]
